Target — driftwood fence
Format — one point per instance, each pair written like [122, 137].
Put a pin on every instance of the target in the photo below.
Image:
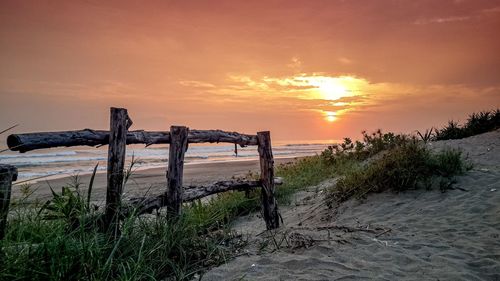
[178, 139]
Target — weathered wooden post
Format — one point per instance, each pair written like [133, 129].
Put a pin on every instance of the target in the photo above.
[178, 146]
[119, 124]
[269, 203]
[8, 174]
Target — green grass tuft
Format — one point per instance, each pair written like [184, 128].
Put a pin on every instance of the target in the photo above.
[477, 123]
[406, 166]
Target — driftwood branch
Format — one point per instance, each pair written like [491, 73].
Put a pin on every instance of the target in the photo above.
[89, 137]
[145, 205]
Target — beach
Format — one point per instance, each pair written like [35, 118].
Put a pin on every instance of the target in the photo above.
[414, 235]
[149, 181]
[250, 140]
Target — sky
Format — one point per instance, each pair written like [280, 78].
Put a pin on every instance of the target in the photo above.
[305, 70]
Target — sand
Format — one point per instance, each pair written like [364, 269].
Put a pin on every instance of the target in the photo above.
[415, 235]
[150, 181]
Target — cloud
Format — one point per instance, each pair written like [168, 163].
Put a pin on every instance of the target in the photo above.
[491, 10]
[196, 84]
[441, 20]
[295, 63]
[345, 60]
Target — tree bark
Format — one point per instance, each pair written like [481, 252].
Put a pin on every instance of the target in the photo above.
[8, 174]
[89, 137]
[269, 203]
[178, 146]
[116, 162]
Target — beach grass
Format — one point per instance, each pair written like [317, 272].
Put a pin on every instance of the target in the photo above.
[62, 238]
[477, 123]
[392, 162]
[63, 241]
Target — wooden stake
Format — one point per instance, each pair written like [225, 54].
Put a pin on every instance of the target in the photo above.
[178, 146]
[116, 162]
[8, 174]
[269, 203]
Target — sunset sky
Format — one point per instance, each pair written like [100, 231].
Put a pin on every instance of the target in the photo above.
[301, 69]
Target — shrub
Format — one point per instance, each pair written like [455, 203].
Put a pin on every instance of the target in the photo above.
[477, 123]
[361, 150]
[406, 166]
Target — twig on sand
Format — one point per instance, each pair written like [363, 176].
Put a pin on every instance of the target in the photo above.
[382, 233]
[344, 228]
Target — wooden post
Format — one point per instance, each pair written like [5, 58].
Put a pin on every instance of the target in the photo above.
[269, 203]
[119, 123]
[178, 146]
[8, 174]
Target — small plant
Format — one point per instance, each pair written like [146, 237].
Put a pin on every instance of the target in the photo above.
[477, 123]
[407, 166]
[427, 136]
[361, 150]
[450, 131]
[68, 205]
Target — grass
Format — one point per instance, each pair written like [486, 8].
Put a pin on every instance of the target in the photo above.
[63, 238]
[405, 164]
[477, 123]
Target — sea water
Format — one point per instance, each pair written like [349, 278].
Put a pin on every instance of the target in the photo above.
[61, 162]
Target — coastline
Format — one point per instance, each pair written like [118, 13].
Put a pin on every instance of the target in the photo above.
[149, 181]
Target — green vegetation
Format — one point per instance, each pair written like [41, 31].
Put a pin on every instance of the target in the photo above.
[477, 123]
[388, 161]
[62, 239]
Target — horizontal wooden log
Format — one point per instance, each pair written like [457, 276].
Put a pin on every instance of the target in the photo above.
[89, 137]
[146, 205]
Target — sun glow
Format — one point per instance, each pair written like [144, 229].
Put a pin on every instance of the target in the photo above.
[331, 96]
[330, 116]
[330, 89]
[334, 88]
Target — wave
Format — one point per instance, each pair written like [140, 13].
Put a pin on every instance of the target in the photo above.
[39, 155]
[63, 162]
[306, 144]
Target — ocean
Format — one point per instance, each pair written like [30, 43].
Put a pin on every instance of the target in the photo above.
[61, 162]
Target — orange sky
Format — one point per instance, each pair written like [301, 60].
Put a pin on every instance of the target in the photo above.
[302, 69]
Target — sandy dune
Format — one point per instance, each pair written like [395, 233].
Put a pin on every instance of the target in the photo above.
[417, 235]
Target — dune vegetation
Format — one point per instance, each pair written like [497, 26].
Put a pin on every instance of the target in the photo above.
[62, 239]
[391, 162]
[477, 123]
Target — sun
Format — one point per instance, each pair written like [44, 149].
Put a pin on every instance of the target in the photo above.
[332, 88]
[332, 95]
[330, 116]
